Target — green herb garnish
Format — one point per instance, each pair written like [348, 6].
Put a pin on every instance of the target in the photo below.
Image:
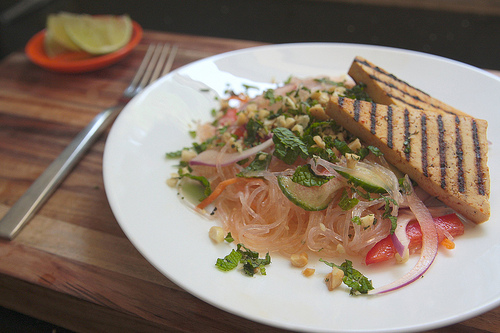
[353, 278]
[303, 175]
[260, 163]
[347, 203]
[287, 146]
[387, 213]
[248, 258]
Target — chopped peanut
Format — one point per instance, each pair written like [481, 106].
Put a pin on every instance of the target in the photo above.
[299, 260]
[308, 272]
[367, 220]
[334, 278]
[318, 111]
[187, 155]
[319, 141]
[352, 160]
[263, 114]
[242, 119]
[298, 128]
[302, 120]
[216, 234]
[355, 145]
[172, 182]
[321, 97]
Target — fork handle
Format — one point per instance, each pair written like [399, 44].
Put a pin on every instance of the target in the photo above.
[36, 195]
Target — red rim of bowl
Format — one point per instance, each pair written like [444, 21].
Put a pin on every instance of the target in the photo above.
[78, 62]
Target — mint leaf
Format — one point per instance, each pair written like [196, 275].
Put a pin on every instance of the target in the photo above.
[251, 261]
[287, 146]
[260, 163]
[229, 238]
[347, 203]
[342, 147]
[230, 261]
[174, 154]
[387, 213]
[353, 278]
[358, 92]
[248, 258]
[204, 181]
[269, 95]
[253, 127]
[303, 175]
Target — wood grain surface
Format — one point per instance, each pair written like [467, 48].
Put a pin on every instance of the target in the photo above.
[72, 265]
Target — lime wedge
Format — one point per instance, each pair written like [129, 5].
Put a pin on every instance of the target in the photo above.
[56, 39]
[99, 34]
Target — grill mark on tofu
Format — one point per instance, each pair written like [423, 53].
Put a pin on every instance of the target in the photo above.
[477, 151]
[356, 110]
[389, 127]
[406, 143]
[460, 156]
[442, 151]
[373, 119]
[423, 124]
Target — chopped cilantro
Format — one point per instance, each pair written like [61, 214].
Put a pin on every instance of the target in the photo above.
[303, 175]
[353, 278]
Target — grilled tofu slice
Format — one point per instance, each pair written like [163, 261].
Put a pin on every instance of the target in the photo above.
[386, 88]
[446, 154]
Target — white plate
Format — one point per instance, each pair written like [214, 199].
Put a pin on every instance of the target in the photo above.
[461, 283]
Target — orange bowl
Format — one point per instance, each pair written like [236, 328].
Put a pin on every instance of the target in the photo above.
[78, 62]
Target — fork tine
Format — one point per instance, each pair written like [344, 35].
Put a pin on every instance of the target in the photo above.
[170, 61]
[160, 62]
[140, 71]
[151, 66]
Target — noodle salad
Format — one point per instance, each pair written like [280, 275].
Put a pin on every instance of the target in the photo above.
[282, 177]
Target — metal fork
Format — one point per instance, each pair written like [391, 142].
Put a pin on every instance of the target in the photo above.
[155, 64]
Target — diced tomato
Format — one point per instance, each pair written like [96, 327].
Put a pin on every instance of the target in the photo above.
[229, 118]
[385, 250]
[239, 131]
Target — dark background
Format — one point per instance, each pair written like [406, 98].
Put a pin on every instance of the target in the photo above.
[467, 37]
[456, 34]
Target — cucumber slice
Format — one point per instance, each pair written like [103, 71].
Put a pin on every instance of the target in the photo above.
[365, 178]
[311, 198]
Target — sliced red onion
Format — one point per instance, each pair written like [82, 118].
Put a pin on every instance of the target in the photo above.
[399, 237]
[216, 158]
[429, 245]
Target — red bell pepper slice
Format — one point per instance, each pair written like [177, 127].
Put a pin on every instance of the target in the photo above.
[385, 250]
